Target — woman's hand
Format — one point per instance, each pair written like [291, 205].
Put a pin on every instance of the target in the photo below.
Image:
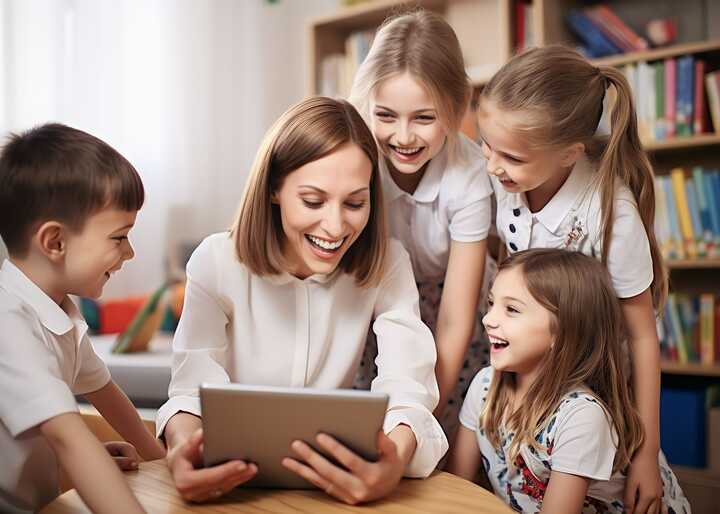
[363, 481]
[199, 485]
[124, 454]
[644, 487]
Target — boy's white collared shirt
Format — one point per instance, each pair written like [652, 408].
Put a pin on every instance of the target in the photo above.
[45, 359]
[282, 331]
[572, 220]
[451, 202]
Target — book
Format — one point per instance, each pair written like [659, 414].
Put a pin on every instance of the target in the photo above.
[660, 121]
[707, 329]
[670, 94]
[677, 248]
[596, 44]
[615, 29]
[684, 96]
[699, 120]
[694, 209]
[677, 176]
[703, 203]
[712, 86]
[662, 223]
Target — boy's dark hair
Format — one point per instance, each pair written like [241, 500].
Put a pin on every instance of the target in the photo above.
[55, 172]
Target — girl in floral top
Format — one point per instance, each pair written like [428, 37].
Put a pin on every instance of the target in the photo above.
[552, 420]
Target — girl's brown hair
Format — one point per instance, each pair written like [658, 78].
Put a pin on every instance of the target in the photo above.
[589, 333]
[561, 96]
[424, 45]
[308, 131]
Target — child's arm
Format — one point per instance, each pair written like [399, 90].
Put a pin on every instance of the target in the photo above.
[90, 468]
[117, 409]
[464, 458]
[458, 310]
[644, 485]
[565, 494]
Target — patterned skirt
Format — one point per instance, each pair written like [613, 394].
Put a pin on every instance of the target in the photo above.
[476, 357]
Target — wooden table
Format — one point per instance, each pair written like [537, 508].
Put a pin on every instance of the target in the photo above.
[441, 492]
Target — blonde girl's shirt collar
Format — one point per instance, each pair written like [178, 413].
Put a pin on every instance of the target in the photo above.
[59, 319]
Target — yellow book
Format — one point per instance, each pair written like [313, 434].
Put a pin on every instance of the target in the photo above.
[677, 176]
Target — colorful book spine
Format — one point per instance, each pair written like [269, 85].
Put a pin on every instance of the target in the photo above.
[699, 125]
[677, 249]
[703, 202]
[660, 121]
[693, 207]
[707, 329]
[662, 223]
[684, 95]
[677, 177]
[596, 43]
[616, 29]
[676, 328]
[712, 194]
[712, 85]
[670, 96]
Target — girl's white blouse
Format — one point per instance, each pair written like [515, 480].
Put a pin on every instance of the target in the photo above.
[279, 330]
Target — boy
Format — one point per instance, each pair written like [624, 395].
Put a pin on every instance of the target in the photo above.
[67, 203]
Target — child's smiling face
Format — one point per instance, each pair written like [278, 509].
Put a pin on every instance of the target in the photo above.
[405, 122]
[511, 159]
[97, 251]
[518, 326]
[324, 207]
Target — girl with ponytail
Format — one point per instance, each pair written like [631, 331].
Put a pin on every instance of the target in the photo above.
[568, 170]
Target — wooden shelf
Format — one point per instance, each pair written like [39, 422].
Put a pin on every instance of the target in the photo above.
[697, 475]
[693, 263]
[682, 142]
[660, 53]
[371, 13]
[678, 368]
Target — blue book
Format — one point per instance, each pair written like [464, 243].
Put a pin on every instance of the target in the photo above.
[702, 202]
[684, 94]
[596, 43]
[682, 425]
[675, 235]
[694, 208]
[712, 200]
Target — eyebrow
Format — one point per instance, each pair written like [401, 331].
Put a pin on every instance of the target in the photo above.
[516, 157]
[317, 189]
[513, 299]
[418, 111]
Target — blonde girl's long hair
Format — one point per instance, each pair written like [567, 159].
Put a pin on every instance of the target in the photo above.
[424, 45]
[588, 331]
[306, 132]
[561, 96]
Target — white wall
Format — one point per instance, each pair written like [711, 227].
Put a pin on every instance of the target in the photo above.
[184, 89]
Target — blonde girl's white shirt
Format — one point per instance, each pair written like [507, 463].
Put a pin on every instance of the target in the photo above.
[279, 330]
[45, 359]
[572, 220]
[451, 202]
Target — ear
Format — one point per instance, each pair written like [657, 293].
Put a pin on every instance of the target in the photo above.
[51, 240]
[571, 154]
[274, 198]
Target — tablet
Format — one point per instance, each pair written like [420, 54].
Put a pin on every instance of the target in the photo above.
[258, 424]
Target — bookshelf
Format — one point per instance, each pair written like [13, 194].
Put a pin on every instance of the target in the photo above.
[487, 33]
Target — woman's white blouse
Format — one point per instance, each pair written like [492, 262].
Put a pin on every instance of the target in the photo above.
[451, 202]
[279, 330]
[572, 220]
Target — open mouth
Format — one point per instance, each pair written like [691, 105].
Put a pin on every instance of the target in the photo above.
[406, 153]
[325, 246]
[497, 344]
[507, 182]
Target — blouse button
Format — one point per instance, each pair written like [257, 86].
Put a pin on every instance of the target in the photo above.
[512, 228]
[516, 212]
[513, 247]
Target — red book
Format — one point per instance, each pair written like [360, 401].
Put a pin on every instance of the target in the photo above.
[699, 124]
[614, 28]
[519, 25]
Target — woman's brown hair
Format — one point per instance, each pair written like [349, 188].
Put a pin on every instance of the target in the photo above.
[308, 131]
[589, 333]
[560, 95]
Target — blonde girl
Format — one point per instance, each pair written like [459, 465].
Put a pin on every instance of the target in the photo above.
[563, 180]
[552, 420]
[287, 298]
[413, 91]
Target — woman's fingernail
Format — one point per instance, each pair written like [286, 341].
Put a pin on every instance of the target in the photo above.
[241, 466]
